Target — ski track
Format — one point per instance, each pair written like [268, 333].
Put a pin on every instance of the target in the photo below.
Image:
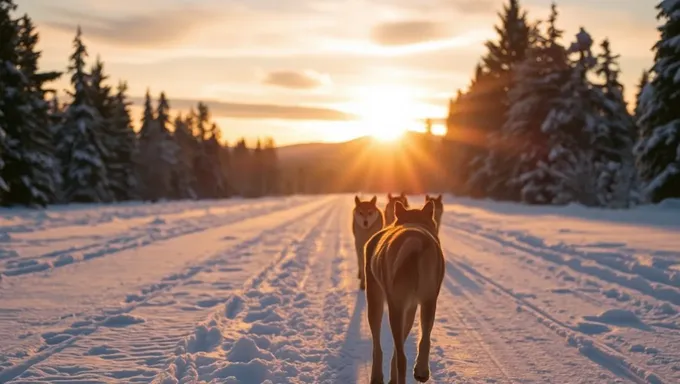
[109, 237]
[39, 347]
[554, 289]
[270, 296]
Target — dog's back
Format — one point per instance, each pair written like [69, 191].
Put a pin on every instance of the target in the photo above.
[407, 262]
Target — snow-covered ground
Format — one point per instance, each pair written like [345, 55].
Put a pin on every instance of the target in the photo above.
[253, 291]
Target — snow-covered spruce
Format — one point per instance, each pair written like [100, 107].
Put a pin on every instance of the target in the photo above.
[658, 150]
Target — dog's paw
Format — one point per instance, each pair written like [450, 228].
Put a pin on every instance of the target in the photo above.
[377, 381]
[421, 375]
[362, 286]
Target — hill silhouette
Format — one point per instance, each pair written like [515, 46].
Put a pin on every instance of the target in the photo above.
[366, 164]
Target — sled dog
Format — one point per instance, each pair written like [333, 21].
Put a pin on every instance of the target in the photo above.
[389, 207]
[438, 209]
[405, 268]
[367, 220]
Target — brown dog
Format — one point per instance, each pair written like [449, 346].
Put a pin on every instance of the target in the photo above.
[389, 207]
[367, 220]
[405, 267]
[438, 209]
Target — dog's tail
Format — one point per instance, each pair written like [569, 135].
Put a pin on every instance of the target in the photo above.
[412, 246]
[421, 246]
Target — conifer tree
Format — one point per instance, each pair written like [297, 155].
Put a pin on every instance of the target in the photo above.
[183, 172]
[9, 75]
[241, 168]
[272, 186]
[644, 80]
[124, 151]
[80, 149]
[534, 93]
[658, 150]
[30, 168]
[614, 140]
[502, 57]
[572, 126]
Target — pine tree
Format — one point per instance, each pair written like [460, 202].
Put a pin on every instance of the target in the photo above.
[572, 126]
[155, 168]
[502, 57]
[169, 149]
[258, 170]
[183, 172]
[215, 186]
[241, 168]
[124, 150]
[79, 144]
[535, 92]
[225, 165]
[658, 150]
[202, 161]
[272, 186]
[644, 80]
[616, 136]
[30, 165]
[10, 77]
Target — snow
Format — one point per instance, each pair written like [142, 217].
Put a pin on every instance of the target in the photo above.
[265, 291]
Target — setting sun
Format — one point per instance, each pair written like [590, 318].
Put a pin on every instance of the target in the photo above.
[386, 111]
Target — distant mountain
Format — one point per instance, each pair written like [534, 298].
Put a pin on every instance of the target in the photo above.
[416, 163]
[304, 153]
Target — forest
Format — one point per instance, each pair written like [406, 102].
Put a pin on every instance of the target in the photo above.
[543, 121]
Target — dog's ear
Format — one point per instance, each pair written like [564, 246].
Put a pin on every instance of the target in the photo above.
[356, 200]
[403, 195]
[389, 196]
[427, 197]
[428, 209]
[439, 198]
[374, 200]
[399, 209]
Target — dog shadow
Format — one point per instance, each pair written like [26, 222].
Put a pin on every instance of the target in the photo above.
[357, 346]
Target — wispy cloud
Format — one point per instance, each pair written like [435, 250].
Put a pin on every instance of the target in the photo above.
[408, 32]
[306, 79]
[468, 7]
[144, 30]
[261, 111]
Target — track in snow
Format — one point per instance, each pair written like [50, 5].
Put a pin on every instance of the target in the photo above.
[266, 291]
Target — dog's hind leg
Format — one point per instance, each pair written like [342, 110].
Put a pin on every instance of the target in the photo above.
[397, 315]
[421, 371]
[409, 318]
[375, 302]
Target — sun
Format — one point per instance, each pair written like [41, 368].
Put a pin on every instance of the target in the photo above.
[386, 112]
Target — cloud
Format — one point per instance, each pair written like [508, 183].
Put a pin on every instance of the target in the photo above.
[261, 111]
[468, 7]
[142, 30]
[408, 32]
[296, 79]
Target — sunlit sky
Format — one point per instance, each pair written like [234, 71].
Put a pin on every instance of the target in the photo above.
[304, 70]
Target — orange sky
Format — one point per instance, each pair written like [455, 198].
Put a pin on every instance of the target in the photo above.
[313, 70]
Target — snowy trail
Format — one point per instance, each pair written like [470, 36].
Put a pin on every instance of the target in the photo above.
[268, 294]
[72, 302]
[56, 246]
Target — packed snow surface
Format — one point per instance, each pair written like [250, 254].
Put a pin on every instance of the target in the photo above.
[265, 291]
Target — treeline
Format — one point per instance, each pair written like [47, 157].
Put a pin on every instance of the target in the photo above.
[86, 150]
[544, 121]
